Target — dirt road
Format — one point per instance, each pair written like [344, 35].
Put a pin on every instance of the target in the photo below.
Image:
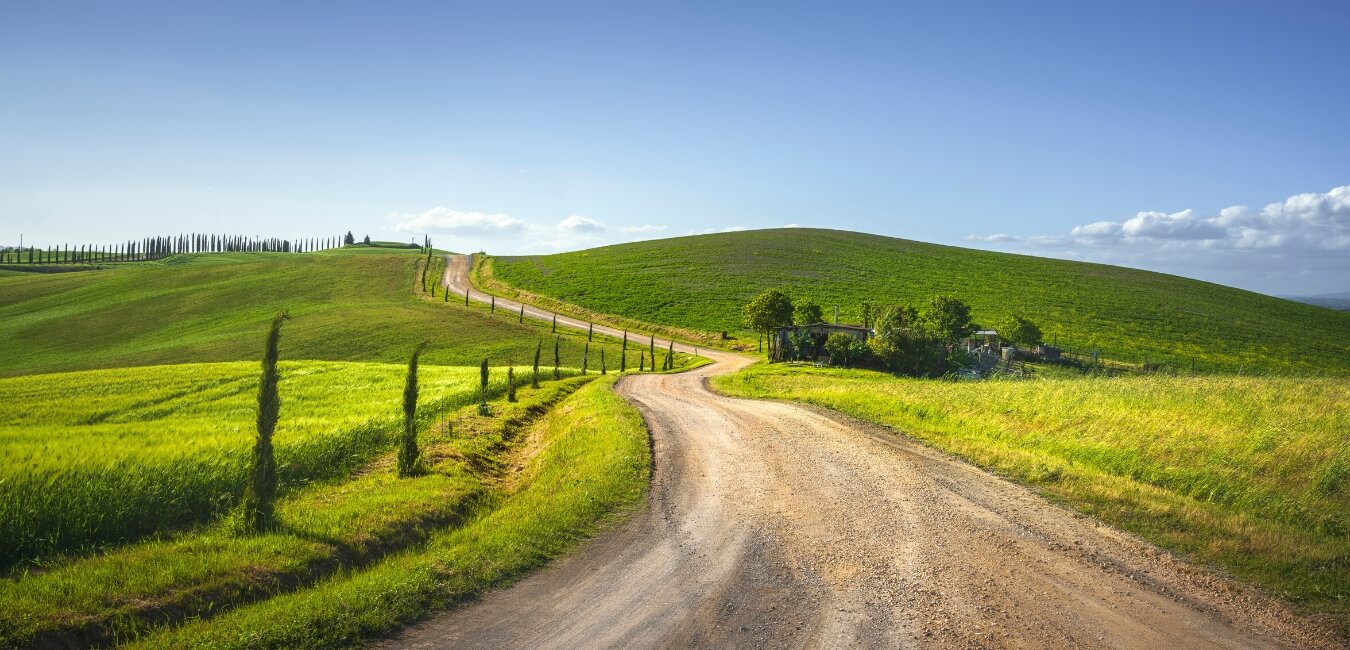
[771, 525]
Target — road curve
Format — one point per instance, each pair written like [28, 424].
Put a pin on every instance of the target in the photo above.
[773, 525]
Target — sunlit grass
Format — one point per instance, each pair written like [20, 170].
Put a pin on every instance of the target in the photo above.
[1250, 474]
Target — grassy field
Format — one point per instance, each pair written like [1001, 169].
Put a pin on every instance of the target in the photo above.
[107, 456]
[701, 282]
[1249, 474]
[593, 453]
[356, 304]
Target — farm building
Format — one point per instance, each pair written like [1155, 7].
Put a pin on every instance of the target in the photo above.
[786, 338]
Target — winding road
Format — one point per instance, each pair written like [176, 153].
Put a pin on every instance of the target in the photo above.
[774, 525]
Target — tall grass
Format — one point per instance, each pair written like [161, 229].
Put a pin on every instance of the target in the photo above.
[107, 456]
[1251, 474]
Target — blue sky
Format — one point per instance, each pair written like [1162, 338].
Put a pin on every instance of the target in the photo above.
[531, 128]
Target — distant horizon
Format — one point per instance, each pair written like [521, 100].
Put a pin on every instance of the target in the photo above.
[415, 241]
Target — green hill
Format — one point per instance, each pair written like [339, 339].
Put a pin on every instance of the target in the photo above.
[701, 282]
[347, 305]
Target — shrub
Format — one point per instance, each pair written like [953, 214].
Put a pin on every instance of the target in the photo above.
[844, 349]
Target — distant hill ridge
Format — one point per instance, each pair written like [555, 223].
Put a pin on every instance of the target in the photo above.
[700, 282]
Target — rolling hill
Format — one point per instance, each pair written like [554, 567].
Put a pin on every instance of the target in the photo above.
[356, 304]
[701, 282]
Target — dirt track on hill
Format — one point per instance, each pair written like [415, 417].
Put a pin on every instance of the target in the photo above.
[773, 525]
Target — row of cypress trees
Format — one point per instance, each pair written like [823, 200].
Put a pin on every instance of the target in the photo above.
[153, 248]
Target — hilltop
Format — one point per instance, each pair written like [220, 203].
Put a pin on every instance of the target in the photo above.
[700, 283]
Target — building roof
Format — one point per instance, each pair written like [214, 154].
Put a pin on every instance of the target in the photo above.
[987, 333]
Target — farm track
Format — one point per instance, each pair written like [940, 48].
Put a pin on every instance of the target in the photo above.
[773, 525]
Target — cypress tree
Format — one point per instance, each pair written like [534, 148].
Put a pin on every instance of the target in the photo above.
[642, 359]
[466, 297]
[493, 308]
[510, 384]
[447, 294]
[585, 357]
[482, 387]
[590, 332]
[603, 369]
[670, 357]
[522, 314]
[534, 378]
[557, 374]
[408, 453]
[555, 323]
[651, 347]
[262, 476]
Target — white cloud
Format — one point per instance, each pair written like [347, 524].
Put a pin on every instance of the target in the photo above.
[792, 225]
[644, 228]
[447, 221]
[995, 238]
[1304, 236]
[576, 223]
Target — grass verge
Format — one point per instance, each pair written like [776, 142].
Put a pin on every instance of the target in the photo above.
[1249, 474]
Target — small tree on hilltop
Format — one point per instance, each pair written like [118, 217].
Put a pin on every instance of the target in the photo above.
[261, 492]
[349, 239]
[1020, 331]
[768, 310]
[366, 241]
[808, 314]
[408, 453]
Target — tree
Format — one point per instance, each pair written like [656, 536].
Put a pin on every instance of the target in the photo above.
[808, 314]
[482, 387]
[844, 349]
[557, 342]
[408, 453]
[946, 319]
[768, 310]
[623, 353]
[585, 357]
[366, 241]
[1020, 331]
[261, 492]
[510, 384]
[603, 370]
[534, 378]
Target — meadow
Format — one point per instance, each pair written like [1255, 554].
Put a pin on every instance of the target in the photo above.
[700, 283]
[103, 457]
[353, 304]
[368, 524]
[1248, 474]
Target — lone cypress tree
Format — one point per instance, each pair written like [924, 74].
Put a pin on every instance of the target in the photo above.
[510, 384]
[534, 378]
[466, 297]
[623, 353]
[556, 361]
[261, 492]
[408, 453]
[482, 388]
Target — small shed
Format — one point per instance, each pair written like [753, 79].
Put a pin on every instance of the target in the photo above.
[818, 333]
[982, 339]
